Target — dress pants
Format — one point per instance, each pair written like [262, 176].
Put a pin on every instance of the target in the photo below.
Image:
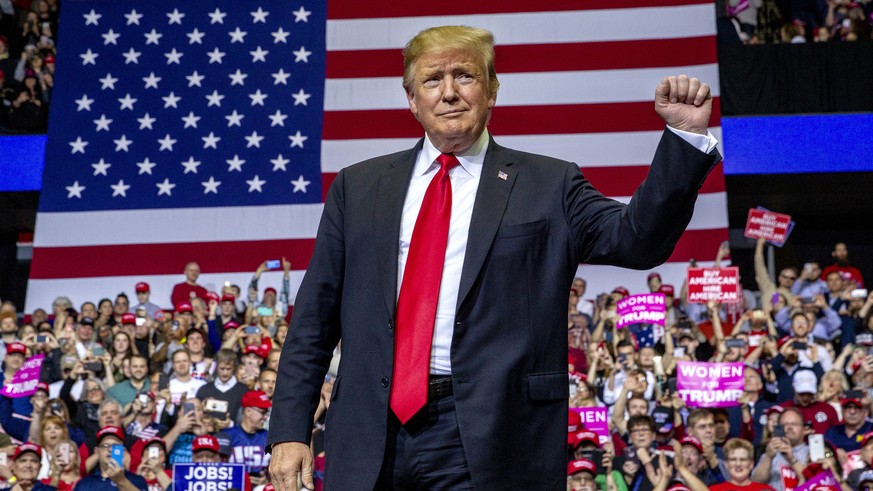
[426, 453]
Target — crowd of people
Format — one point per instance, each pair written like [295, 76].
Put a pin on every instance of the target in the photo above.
[798, 21]
[194, 383]
[28, 31]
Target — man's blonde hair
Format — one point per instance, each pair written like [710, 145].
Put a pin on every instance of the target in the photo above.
[477, 42]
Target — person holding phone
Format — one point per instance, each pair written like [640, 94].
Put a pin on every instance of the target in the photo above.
[249, 438]
[270, 298]
[153, 464]
[65, 473]
[110, 475]
[789, 450]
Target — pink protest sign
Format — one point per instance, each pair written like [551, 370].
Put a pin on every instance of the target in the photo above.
[823, 481]
[25, 379]
[595, 419]
[703, 384]
[719, 284]
[647, 308]
[767, 225]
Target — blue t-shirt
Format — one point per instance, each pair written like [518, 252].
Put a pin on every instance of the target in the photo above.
[837, 436]
[248, 448]
[96, 482]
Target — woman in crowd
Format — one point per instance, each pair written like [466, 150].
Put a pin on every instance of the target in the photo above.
[64, 471]
[122, 348]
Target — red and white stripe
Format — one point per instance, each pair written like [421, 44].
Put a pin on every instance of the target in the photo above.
[577, 82]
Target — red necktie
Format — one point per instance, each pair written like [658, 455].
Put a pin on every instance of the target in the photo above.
[419, 293]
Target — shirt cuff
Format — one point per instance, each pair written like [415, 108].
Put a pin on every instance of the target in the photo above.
[704, 143]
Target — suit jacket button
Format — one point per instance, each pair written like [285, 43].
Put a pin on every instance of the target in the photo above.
[384, 383]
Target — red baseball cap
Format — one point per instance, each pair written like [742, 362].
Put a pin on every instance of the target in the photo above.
[110, 431]
[581, 465]
[49, 58]
[585, 436]
[212, 296]
[128, 318]
[42, 386]
[155, 440]
[256, 349]
[16, 347]
[227, 297]
[28, 447]
[851, 400]
[270, 289]
[653, 275]
[142, 286]
[205, 442]
[667, 290]
[622, 290]
[184, 307]
[231, 325]
[256, 398]
[574, 421]
[694, 442]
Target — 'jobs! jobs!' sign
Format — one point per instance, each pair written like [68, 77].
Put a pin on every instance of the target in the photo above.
[208, 477]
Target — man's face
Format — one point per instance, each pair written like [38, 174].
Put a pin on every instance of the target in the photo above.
[841, 253]
[85, 332]
[138, 369]
[227, 308]
[192, 272]
[626, 353]
[181, 364]
[104, 450]
[800, 326]
[752, 381]
[267, 381]
[835, 282]
[206, 456]
[14, 361]
[27, 466]
[739, 464]
[273, 359]
[853, 415]
[704, 430]
[88, 310]
[142, 297]
[691, 457]
[722, 427]
[579, 285]
[793, 424]
[38, 317]
[195, 342]
[581, 481]
[787, 277]
[637, 407]
[109, 415]
[225, 371]
[805, 399]
[256, 416]
[449, 96]
[8, 326]
[121, 305]
[641, 436]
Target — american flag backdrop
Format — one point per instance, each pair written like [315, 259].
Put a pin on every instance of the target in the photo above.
[210, 130]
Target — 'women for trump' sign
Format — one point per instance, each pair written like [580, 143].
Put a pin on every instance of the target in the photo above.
[702, 384]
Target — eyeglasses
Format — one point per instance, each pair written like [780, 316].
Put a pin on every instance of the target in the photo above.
[93, 389]
[106, 446]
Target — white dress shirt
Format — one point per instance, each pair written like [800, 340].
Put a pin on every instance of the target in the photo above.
[465, 184]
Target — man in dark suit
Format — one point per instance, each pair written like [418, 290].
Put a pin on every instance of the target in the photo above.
[496, 397]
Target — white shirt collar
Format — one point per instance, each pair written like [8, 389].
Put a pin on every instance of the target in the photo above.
[224, 387]
[470, 160]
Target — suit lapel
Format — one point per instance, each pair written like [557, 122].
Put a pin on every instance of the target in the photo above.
[393, 185]
[495, 185]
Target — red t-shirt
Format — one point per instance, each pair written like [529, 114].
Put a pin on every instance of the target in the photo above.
[182, 293]
[752, 486]
[821, 414]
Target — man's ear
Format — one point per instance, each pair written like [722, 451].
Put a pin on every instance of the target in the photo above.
[413, 107]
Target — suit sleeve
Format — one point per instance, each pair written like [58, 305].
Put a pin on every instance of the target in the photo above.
[643, 233]
[314, 330]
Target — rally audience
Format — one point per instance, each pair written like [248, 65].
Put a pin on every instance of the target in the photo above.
[194, 382]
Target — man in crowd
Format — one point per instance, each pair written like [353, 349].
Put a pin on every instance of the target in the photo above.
[581, 475]
[701, 425]
[23, 473]
[8, 331]
[790, 451]
[188, 289]
[821, 414]
[842, 265]
[143, 292]
[110, 476]
[125, 391]
[225, 386]
[182, 384]
[809, 283]
[850, 433]
[821, 321]
[499, 221]
[249, 438]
